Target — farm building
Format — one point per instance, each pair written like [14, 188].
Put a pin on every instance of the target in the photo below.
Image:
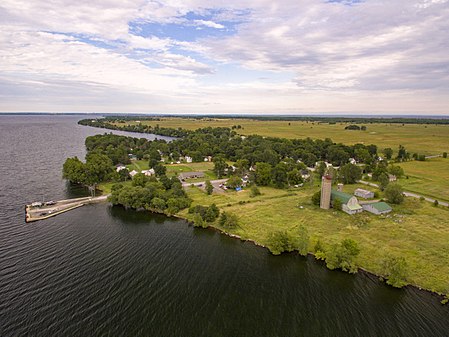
[349, 203]
[190, 175]
[377, 208]
[365, 194]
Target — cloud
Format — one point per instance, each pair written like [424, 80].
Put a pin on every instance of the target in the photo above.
[313, 55]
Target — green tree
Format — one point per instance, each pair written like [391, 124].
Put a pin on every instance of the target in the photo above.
[242, 166]
[395, 271]
[228, 220]
[343, 255]
[140, 179]
[234, 182]
[302, 242]
[254, 192]
[350, 173]
[159, 170]
[396, 170]
[209, 187]
[212, 213]
[74, 171]
[279, 175]
[336, 204]
[219, 166]
[198, 221]
[394, 193]
[444, 154]
[316, 198]
[294, 177]
[384, 180]
[321, 169]
[279, 242]
[388, 153]
[263, 174]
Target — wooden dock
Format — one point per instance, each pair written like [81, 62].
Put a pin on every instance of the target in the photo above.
[41, 211]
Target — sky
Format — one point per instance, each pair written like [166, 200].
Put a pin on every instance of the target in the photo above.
[237, 57]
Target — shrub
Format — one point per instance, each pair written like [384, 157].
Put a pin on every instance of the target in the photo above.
[435, 203]
[228, 220]
[395, 271]
[254, 192]
[279, 242]
[394, 193]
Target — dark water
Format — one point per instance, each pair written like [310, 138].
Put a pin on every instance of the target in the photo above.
[103, 271]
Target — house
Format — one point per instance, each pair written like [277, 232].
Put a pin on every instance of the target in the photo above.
[120, 167]
[133, 173]
[365, 194]
[190, 175]
[377, 208]
[392, 177]
[208, 158]
[352, 161]
[188, 159]
[349, 203]
[148, 173]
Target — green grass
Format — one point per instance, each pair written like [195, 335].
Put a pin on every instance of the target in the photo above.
[206, 167]
[415, 230]
[138, 165]
[430, 177]
[425, 139]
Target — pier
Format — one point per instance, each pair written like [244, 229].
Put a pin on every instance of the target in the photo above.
[44, 210]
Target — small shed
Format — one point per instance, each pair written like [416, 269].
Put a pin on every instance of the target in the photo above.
[133, 173]
[392, 177]
[190, 175]
[365, 194]
[377, 208]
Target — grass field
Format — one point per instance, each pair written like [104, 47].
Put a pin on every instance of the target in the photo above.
[415, 230]
[206, 167]
[423, 139]
[430, 177]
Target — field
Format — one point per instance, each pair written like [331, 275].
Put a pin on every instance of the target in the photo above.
[422, 139]
[430, 177]
[415, 230]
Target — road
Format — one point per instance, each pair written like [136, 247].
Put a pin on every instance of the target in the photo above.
[409, 194]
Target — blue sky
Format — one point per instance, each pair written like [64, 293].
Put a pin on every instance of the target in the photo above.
[247, 56]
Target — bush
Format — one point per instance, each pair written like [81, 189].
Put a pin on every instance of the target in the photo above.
[228, 220]
[436, 203]
[254, 192]
[444, 154]
[394, 193]
[395, 271]
[279, 242]
[342, 256]
[316, 198]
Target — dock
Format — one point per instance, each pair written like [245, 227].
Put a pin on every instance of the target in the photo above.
[44, 210]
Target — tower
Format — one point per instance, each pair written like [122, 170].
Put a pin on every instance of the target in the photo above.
[326, 187]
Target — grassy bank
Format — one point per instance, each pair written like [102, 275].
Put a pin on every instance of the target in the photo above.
[425, 139]
[415, 230]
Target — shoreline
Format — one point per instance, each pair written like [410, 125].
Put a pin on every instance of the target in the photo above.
[366, 272]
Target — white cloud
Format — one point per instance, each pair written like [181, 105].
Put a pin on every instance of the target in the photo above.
[209, 24]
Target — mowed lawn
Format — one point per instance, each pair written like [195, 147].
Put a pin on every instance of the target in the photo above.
[206, 167]
[430, 177]
[419, 138]
[415, 230]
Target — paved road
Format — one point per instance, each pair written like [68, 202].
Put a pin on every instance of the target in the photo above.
[409, 194]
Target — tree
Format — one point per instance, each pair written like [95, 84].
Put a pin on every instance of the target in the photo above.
[395, 271]
[435, 203]
[159, 170]
[228, 220]
[219, 166]
[396, 170]
[209, 187]
[342, 256]
[140, 179]
[242, 166]
[212, 213]
[316, 198]
[279, 242]
[321, 169]
[279, 175]
[263, 174]
[254, 191]
[350, 173]
[302, 243]
[444, 154]
[234, 182]
[336, 204]
[198, 221]
[294, 177]
[384, 180]
[154, 158]
[402, 153]
[73, 170]
[394, 193]
[388, 153]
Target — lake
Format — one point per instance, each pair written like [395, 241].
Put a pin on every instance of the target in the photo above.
[104, 271]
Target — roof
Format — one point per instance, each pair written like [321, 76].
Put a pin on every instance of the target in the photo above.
[343, 197]
[381, 206]
[184, 175]
[361, 190]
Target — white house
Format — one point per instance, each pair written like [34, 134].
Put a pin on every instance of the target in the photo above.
[392, 177]
[133, 173]
[352, 161]
[148, 173]
[365, 194]
[188, 159]
[120, 167]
